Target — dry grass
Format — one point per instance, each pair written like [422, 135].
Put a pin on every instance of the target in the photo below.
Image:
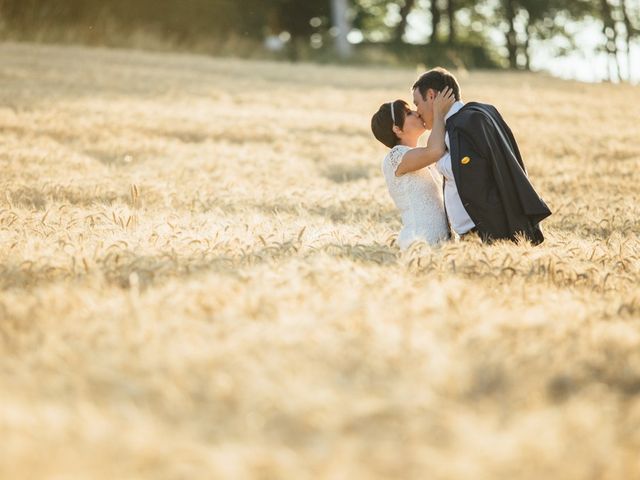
[199, 280]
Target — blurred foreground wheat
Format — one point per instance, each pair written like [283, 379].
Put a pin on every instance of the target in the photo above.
[199, 280]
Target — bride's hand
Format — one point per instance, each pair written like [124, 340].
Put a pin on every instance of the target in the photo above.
[443, 101]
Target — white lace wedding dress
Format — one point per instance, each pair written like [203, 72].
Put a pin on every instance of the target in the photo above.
[418, 196]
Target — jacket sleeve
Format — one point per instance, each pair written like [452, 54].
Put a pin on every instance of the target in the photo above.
[532, 204]
[509, 134]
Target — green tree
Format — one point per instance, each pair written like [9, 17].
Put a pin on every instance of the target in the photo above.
[630, 10]
[406, 6]
[545, 20]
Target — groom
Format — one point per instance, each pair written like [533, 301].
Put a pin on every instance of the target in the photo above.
[486, 187]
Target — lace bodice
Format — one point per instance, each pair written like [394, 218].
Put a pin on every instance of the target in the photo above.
[418, 196]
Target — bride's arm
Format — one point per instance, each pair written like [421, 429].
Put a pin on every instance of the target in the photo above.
[421, 157]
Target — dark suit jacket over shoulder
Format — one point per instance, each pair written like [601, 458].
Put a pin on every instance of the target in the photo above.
[491, 177]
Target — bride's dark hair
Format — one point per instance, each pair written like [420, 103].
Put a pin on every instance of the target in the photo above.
[382, 122]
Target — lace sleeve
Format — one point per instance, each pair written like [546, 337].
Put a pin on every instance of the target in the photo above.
[395, 157]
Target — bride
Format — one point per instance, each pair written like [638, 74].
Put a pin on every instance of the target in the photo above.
[415, 188]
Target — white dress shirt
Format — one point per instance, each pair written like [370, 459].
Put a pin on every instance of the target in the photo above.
[459, 219]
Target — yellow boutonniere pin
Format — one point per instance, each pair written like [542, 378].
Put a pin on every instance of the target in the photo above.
[465, 160]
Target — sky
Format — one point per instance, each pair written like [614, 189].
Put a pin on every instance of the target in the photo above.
[587, 64]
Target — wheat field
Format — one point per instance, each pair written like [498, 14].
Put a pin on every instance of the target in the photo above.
[199, 279]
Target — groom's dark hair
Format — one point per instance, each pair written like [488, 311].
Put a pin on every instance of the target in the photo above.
[437, 79]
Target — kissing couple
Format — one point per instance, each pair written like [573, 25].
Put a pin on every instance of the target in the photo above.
[470, 178]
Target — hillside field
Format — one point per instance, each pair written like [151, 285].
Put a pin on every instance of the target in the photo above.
[199, 280]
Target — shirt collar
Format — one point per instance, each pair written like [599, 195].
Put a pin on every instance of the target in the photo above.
[455, 108]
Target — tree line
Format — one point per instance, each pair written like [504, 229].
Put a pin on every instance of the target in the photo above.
[501, 33]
